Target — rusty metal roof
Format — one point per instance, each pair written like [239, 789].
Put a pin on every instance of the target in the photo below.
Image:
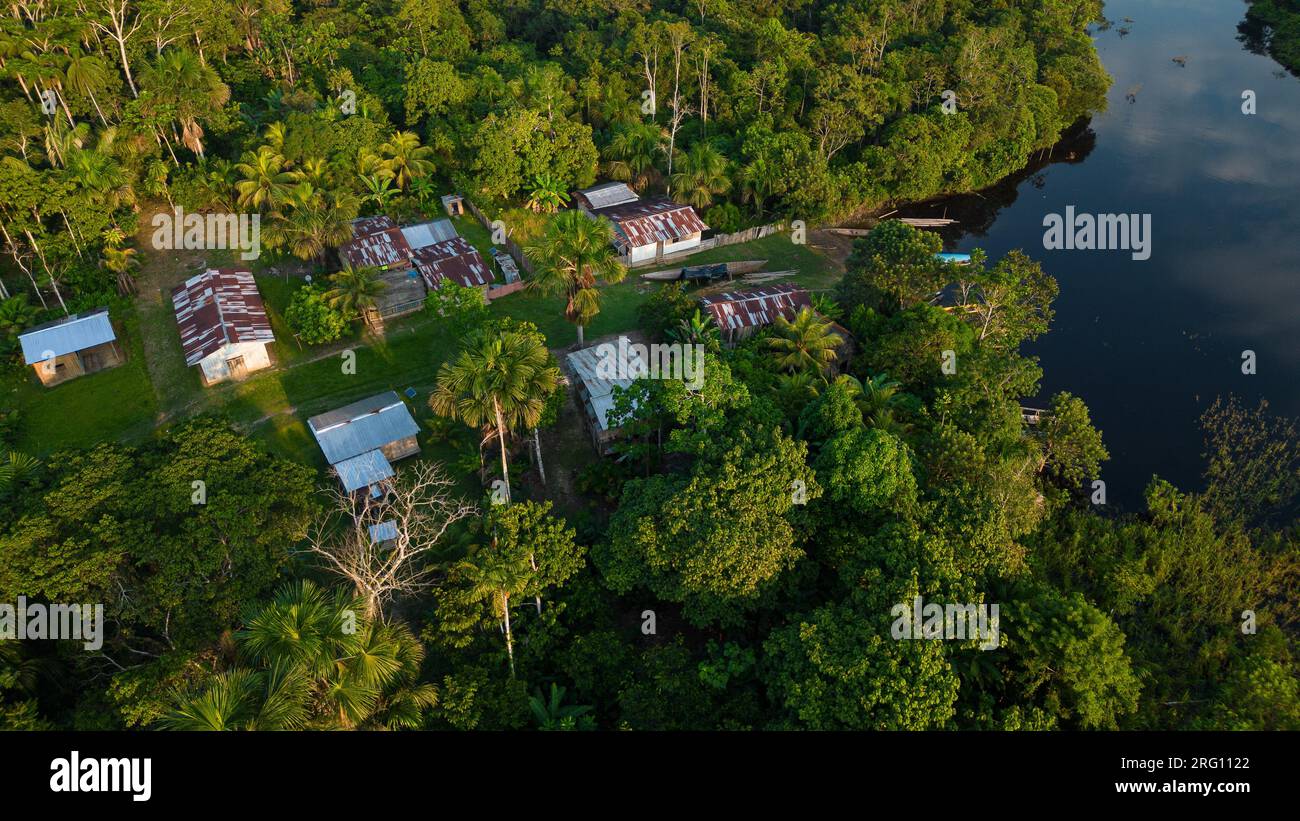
[218, 308]
[646, 222]
[382, 249]
[755, 307]
[365, 226]
[454, 259]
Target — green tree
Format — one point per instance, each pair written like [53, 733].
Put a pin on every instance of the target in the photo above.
[570, 258]
[498, 384]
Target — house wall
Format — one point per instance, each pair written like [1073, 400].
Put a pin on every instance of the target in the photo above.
[214, 367]
[58, 370]
[78, 363]
[642, 253]
[693, 241]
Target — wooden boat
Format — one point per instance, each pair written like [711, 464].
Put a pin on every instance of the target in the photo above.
[706, 273]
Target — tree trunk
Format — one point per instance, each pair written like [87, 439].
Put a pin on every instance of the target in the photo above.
[510, 639]
[537, 445]
[501, 438]
[581, 341]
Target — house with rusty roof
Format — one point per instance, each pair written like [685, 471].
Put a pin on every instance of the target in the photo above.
[643, 229]
[223, 324]
[412, 260]
[741, 312]
[70, 347]
[362, 440]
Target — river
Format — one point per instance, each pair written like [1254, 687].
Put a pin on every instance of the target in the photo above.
[1150, 344]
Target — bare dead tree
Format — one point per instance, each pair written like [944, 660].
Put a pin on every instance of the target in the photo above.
[420, 503]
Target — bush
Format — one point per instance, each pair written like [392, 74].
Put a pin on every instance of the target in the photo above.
[312, 320]
[464, 308]
[725, 218]
[665, 309]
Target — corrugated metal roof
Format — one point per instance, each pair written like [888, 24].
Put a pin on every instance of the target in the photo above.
[64, 336]
[752, 307]
[363, 470]
[454, 259]
[365, 226]
[586, 363]
[217, 308]
[647, 222]
[383, 249]
[605, 195]
[362, 426]
[383, 532]
[427, 233]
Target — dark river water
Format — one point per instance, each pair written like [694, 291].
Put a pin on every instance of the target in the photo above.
[1149, 344]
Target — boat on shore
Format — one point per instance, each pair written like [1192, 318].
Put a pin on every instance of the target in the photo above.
[706, 273]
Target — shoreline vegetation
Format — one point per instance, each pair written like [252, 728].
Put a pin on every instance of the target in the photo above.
[508, 576]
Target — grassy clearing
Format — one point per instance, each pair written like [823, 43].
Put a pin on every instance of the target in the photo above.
[113, 404]
[155, 387]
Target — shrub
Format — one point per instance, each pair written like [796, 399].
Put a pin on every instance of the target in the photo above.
[312, 319]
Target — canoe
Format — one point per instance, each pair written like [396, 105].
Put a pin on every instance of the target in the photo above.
[706, 273]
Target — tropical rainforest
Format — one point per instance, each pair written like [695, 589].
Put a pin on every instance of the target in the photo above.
[737, 562]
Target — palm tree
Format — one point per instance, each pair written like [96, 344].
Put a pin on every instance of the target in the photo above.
[379, 190]
[355, 291]
[309, 222]
[806, 344]
[701, 175]
[16, 315]
[498, 384]
[498, 576]
[696, 330]
[406, 159]
[263, 180]
[423, 189]
[123, 263]
[15, 468]
[83, 74]
[188, 88]
[553, 714]
[758, 183]
[547, 195]
[569, 258]
[631, 153]
[878, 397]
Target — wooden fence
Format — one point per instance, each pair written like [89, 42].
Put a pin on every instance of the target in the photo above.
[511, 246]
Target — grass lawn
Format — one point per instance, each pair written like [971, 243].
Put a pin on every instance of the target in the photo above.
[106, 406]
[816, 270]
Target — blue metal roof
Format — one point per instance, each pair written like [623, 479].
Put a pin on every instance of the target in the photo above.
[384, 531]
[74, 333]
[362, 471]
[362, 426]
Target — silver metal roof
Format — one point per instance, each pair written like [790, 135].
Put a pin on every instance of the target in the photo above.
[428, 233]
[74, 333]
[607, 194]
[362, 426]
[586, 365]
[364, 470]
[383, 532]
